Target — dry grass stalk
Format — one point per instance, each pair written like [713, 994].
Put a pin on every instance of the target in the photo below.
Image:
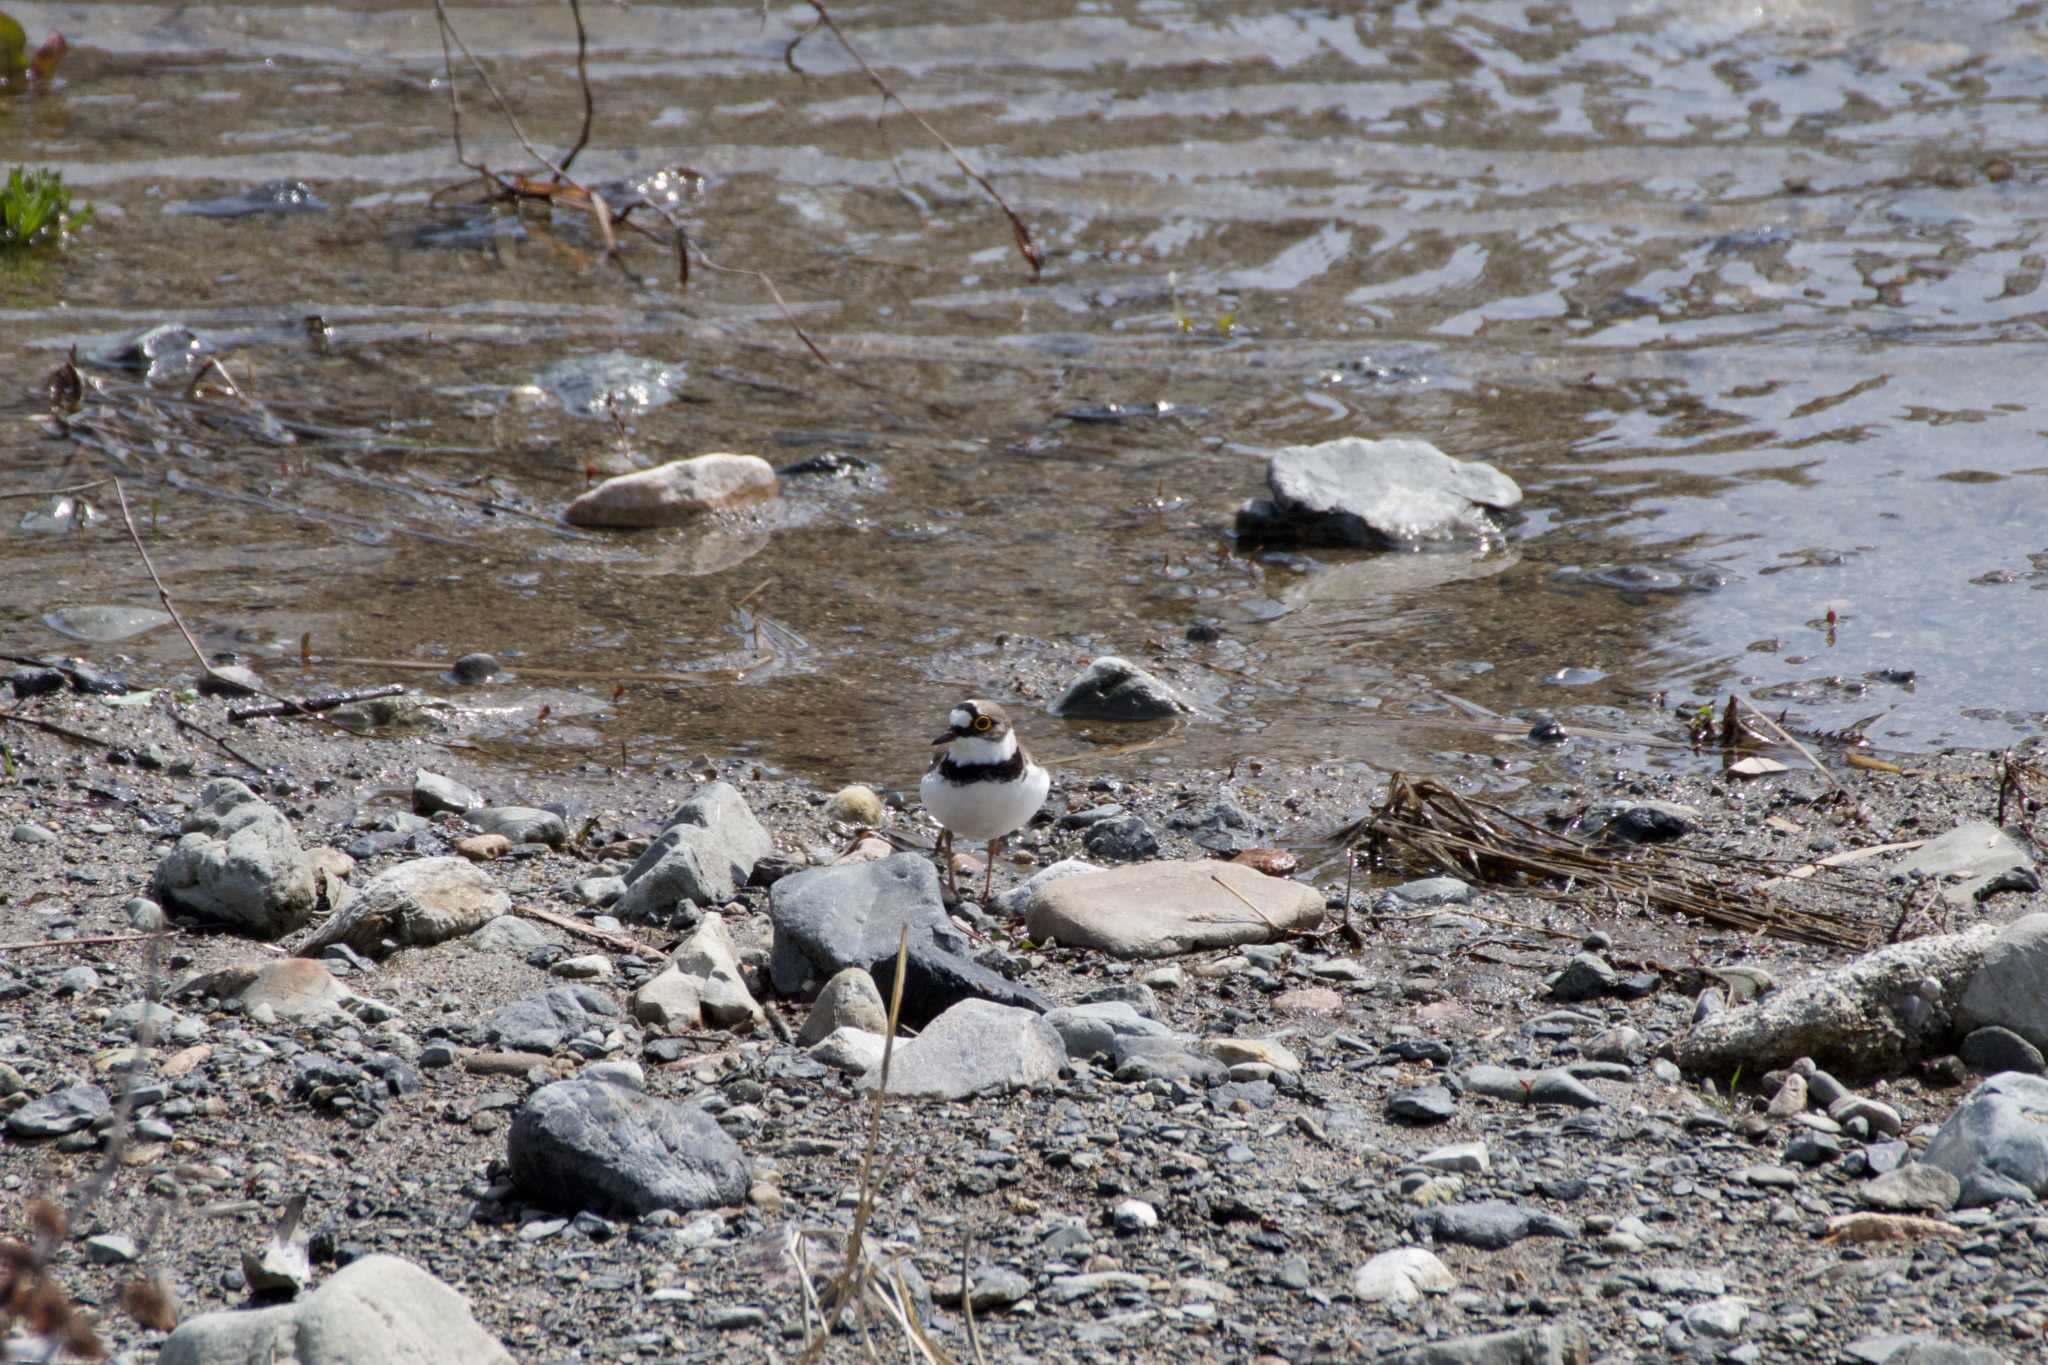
[1422, 818]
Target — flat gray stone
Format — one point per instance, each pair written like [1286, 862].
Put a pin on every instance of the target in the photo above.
[1113, 688]
[1991, 1049]
[704, 855]
[1092, 1030]
[2010, 988]
[1384, 494]
[1554, 1086]
[544, 1022]
[62, 1111]
[418, 903]
[1019, 899]
[1915, 1188]
[238, 862]
[520, 824]
[590, 1143]
[508, 934]
[1402, 1275]
[1492, 1225]
[1163, 909]
[1555, 1343]
[975, 1048]
[1423, 1104]
[297, 990]
[1900, 1348]
[378, 1308]
[1967, 859]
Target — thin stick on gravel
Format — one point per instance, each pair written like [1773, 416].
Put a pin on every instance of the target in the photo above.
[224, 746]
[54, 728]
[967, 1300]
[325, 702]
[594, 934]
[74, 942]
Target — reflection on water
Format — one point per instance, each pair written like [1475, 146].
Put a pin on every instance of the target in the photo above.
[1747, 298]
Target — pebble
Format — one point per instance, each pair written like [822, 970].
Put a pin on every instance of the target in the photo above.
[1468, 1158]
[586, 967]
[1423, 1104]
[1134, 1215]
[32, 834]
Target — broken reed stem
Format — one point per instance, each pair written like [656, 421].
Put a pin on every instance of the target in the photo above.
[53, 728]
[328, 702]
[583, 83]
[92, 942]
[225, 747]
[1026, 248]
[1785, 735]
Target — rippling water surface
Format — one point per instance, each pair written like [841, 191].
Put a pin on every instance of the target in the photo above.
[1747, 298]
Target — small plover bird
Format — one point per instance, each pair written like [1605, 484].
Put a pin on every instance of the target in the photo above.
[983, 785]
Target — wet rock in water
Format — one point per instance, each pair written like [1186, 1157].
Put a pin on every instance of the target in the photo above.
[1162, 909]
[1914, 1188]
[1492, 1224]
[1402, 1275]
[229, 680]
[433, 793]
[1382, 494]
[2000, 1131]
[710, 958]
[475, 667]
[68, 1110]
[610, 384]
[378, 1307]
[849, 1000]
[1121, 839]
[594, 1143]
[272, 197]
[704, 855]
[1555, 1086]
[1019, 899]
[426, 901]
[830, 918]
[976, 1047]
[1091, 1030]
[35, 682]
[676, 492]
[1990, 1050]
[168, 355]
[1652, 822]
[105, 624]
[542, 1023]
[1113, 688]
[1557, 1343]
[520, 824]
[1428, 891]
[238, 862]
[2010, 988]
[1968, 860]
[59, 514]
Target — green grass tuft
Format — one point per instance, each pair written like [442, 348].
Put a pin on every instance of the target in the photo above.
[35, 210]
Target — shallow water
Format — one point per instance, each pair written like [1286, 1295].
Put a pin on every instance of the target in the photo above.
[1746, 297]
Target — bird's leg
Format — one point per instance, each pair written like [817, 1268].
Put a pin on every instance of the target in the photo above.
[945, 850]
[988, 882]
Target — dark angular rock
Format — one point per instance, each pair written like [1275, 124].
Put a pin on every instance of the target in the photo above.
[543, 1022]
[1492, 1225]
[1992, 1049]
[589, 1143]
[1423, 1104]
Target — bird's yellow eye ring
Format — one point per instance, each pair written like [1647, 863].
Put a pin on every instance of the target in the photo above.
[982, 723]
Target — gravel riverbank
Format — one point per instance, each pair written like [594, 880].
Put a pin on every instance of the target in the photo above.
[1467, 1119]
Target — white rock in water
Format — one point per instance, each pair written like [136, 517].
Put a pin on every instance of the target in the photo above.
[675, 492]
[1399, 493]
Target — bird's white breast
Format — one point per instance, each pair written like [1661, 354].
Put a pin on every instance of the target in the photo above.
[985, 810]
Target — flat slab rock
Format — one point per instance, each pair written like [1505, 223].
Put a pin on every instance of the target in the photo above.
[1386, 494]
[425, 901]
[975, 1048]
[675, 492]
[380, 1308]
[1163, 909]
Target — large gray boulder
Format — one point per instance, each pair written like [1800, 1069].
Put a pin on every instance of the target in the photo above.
[379, 1308]
[598, 1143]
[1381, 494]
[1996, 1140]
[428, 900]
[238, 862]
[704, 856]
[853, 915]
[2010, 988]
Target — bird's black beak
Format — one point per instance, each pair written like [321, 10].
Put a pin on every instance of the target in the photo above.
[948, 737]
